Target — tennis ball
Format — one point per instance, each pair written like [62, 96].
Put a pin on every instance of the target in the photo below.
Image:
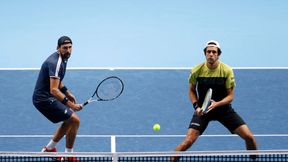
[156, 127]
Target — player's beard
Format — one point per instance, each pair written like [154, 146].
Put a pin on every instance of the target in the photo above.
[211, 60]
[66, 55]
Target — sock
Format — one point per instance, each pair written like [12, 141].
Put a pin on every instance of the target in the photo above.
[68, 149]
[51, 145]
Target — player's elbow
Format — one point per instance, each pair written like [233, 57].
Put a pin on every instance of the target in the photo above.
[230, 99]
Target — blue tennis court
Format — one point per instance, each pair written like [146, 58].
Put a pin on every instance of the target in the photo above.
[150, 96]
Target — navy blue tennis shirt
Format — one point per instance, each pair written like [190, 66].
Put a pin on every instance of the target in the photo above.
[54, 66]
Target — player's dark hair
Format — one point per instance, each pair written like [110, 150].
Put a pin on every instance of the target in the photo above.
[63, 40]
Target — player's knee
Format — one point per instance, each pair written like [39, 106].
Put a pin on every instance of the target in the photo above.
[75, 120]
[249, 137]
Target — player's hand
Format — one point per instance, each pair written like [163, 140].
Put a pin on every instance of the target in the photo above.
[199, 111]
[77, 107]
[71, 97]
[212, 106]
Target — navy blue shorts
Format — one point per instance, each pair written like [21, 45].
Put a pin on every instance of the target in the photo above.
[54, 110]
[225, 115]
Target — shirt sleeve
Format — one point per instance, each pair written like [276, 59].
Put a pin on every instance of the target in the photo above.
[53, 72]
[192, 77]
[230, 82]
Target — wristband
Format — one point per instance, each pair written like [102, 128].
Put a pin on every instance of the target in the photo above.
[195, 105]
[65, 100]
[64, 89]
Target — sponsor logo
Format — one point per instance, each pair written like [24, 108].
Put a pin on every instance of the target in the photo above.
[196, 124]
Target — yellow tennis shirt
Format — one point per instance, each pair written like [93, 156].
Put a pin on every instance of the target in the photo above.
[219, 79]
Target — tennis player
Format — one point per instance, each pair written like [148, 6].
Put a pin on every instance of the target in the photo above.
[220, 77]
[54, 100]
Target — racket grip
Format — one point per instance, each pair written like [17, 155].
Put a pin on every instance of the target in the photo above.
[85, 103]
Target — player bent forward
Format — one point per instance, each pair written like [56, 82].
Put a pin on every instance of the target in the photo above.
[54, 100]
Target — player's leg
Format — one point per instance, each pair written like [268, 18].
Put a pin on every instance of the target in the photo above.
[196, 127]
[191, 137]
[56, 112]
[66, 126]
[236, 125]
[69, 128]
[73, 123]
[244, 132]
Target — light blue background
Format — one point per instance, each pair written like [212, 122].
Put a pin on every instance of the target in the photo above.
[147, 33]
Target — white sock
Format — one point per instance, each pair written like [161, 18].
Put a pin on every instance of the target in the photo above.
[51, 145]
[68, 150]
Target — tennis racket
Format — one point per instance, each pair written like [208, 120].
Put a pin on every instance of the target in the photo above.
[108, 89]
[207, 101]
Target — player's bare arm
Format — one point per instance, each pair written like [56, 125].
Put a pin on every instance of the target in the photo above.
[55, 91]
[225, 101]
[68, 93]
[193, 97]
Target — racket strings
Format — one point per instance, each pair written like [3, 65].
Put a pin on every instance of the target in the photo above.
[109, 89]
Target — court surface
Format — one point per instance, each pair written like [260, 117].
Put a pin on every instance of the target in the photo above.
[150, 96]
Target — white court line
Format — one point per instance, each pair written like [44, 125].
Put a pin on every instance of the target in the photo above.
[139, 136]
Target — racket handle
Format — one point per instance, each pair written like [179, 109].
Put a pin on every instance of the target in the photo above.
[85, 103]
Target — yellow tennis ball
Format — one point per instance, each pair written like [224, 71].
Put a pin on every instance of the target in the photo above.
[156, 127]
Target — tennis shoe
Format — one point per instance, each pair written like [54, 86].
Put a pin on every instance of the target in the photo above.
[45, 149]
